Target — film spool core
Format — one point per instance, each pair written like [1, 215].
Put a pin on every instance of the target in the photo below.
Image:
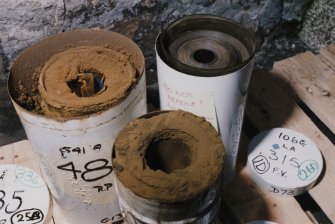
[88, 83]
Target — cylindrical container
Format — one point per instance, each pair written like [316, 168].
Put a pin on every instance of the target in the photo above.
[168, 169]
[204, 65]
[73, 92]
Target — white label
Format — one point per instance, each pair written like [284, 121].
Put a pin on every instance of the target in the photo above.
[285, 161]
[87, 170]
[20, 187]
[200, 103]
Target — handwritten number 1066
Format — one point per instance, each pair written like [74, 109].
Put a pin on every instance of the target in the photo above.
[91, 168]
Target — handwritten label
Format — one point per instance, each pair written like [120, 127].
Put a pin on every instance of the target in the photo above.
[66, 150]
[200, 103]
[92, 171]
[28, 177]
[116, 219]
[284, 160]
[308, 169]
[276, 190]
[28, 216]
[18, 202]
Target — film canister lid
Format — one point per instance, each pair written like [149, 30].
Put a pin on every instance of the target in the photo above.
[24, 196]
[284, 162]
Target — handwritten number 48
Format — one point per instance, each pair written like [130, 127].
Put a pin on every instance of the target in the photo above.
[90, 167]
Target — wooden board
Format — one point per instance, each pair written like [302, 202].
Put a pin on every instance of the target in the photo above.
[311, 80]
[250, 203]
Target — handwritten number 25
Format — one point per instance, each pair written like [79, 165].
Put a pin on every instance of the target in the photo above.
[14, 197]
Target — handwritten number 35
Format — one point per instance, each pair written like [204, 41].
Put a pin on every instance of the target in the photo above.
[14, 197]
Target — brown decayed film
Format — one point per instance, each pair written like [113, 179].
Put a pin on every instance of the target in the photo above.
[119, 52]
[205, 168]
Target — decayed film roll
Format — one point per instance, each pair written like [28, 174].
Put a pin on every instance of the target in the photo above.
[168, 167]
[73, 92]
[204, 65]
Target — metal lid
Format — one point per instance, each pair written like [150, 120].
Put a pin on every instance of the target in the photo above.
[284, 162]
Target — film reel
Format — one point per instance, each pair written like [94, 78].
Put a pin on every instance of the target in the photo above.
[208, 49]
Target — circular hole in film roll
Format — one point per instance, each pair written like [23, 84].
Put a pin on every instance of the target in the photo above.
[204, 56]
[86, 84]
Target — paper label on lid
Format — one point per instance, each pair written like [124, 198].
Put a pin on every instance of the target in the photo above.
[284, 162]
[200, 103]
[24, 197]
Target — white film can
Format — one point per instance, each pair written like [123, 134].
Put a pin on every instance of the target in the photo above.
[204, 64]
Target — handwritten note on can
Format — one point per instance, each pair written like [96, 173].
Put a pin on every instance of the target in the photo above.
[200, 103]
[24, 197]
[284, 162]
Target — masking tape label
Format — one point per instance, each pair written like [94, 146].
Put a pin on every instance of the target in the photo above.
[200, 103]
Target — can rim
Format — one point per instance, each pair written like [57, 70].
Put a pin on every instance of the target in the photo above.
[76, 38]
[204, 22]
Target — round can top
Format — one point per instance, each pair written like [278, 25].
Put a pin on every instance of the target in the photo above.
[284, 162]
[24, 196]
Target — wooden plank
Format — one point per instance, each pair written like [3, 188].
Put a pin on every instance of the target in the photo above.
[19, 153]
[270, 106]
[327, 56]
[250, 203]
[313, 82]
